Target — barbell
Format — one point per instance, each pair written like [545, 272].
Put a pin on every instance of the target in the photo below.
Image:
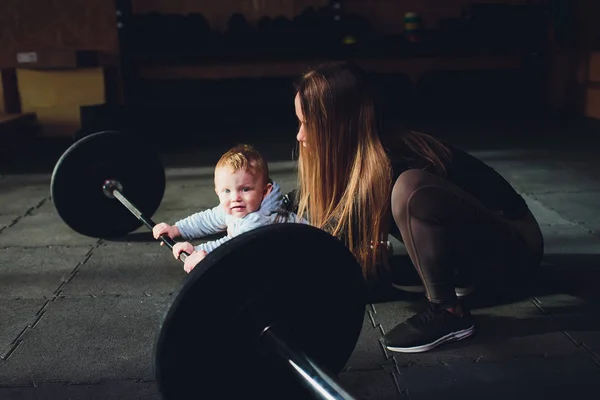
[260, 316]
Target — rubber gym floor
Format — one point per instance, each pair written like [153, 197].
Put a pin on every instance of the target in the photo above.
[79, 315]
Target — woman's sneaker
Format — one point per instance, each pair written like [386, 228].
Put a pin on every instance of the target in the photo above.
[429, 329]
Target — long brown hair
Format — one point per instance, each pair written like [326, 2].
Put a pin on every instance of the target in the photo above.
[345, 174]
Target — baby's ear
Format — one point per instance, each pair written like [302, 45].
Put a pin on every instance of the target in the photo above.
[268, 188]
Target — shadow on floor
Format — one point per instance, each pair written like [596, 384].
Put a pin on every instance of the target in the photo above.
[574, 275]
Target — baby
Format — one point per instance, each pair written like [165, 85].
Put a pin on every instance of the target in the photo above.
[248, 199]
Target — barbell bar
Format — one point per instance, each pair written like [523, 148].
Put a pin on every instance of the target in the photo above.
[113, 188]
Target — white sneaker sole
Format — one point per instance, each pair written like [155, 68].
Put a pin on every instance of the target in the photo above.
[460, 292]
[451, 337]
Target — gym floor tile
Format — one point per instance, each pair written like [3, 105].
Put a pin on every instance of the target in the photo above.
[572, 376]
[192, 175]
[37, 272]
[89, 339]
[374, 384]
[578, 317]
[6, 220]
[17, 315]
[544, 177]
[579, 207]
[18, 199]
[128, 269]
[42, 229]
[368, 353]
[189, 197]
[107, 390]
[543, 214]
[569, 240]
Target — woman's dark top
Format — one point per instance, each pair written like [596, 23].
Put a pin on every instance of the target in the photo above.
[474, 177]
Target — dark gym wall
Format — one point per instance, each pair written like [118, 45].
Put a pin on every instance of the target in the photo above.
[45, 25]
[247, 99]
[584, 92]
[386, 15]
[573, 77]
[90, 25]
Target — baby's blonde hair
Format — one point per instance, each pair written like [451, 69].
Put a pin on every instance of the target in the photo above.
[247, 158]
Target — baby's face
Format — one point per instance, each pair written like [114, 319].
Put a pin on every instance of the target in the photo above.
[240, 192]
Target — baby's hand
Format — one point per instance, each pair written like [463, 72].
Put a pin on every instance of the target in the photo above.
[164, 228]
[193, 260]
[182, 246]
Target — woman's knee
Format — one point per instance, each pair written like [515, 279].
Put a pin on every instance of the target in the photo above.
[414, 190]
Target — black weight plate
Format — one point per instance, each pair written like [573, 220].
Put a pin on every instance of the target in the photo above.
[294, 276]
[79, 174]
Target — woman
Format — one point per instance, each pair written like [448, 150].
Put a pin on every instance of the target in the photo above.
[361, 182]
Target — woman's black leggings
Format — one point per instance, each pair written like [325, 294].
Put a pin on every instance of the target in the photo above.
[444, 229]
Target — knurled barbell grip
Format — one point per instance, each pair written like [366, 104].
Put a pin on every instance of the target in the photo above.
[145, 220]
[170, 243]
